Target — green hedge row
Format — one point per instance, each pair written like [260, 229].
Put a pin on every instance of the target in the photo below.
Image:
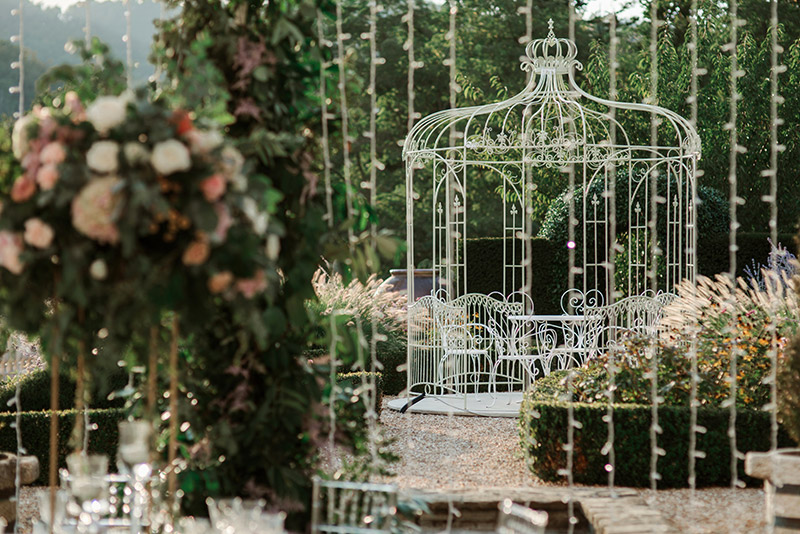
[35, 391]
[36, 435]
[543, 432]
[550, 260]
[713, 255]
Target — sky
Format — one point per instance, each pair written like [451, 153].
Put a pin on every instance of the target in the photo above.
[593, 7]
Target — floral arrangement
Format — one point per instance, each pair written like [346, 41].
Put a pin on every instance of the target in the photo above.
[125, 209]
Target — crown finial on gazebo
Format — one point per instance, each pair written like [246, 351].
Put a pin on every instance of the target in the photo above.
[551, 54]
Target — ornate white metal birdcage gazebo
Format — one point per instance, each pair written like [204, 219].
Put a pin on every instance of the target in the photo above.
[552, 130]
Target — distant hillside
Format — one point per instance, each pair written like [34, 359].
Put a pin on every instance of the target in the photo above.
[47, 30]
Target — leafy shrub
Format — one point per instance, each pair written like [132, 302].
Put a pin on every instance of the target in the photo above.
[789, 382]
[36, 435]
[543, 432]
[484, 265]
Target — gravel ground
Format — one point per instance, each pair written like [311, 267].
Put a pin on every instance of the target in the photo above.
[441, 452]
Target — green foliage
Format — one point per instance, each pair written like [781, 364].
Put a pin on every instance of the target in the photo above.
[713, 256]
[789, 383]
[484, 260]
[98, 74]
[36, 435]
[255, 399]
[35, 391]
[543, 432]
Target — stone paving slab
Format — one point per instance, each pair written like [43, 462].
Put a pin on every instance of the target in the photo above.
[598, 510]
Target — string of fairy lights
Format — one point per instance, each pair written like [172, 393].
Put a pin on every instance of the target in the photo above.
[694, 428]
[20, 91]
[734, 200]
[372, 190]
[652, 276]
[775, 148]
[611, 196]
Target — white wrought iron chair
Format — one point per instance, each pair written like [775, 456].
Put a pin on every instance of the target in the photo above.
[637, 315]
[353, 507]
[517, 519]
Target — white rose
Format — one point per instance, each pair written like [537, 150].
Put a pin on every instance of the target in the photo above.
[107, 112]
[102, 157]
[203, 142]
[98, 269]
[19, 137]
[273, 247]
[239, 183]
[259, 219]
[171, 156]
[136, 153]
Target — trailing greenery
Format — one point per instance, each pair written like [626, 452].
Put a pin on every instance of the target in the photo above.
[36, 435]
[543, 432]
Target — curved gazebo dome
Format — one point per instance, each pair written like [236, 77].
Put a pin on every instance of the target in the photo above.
[552, 126]
[552, 120]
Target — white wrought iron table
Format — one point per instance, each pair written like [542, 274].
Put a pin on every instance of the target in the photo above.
[564, 338]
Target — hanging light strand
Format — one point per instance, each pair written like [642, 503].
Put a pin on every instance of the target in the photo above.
[341, 37]
[451, 63]
[572, 423]
[18, 409]
[734, 200]
[128, 44]
[694, 428]
[87, 28]
[611, 200]
[655, 428]
[772, 199]
[324, 64]
[375, 166]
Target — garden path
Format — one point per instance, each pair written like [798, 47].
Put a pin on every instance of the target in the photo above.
[456, 452]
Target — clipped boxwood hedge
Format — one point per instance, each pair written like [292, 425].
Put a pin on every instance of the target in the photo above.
[35, 391]
[543, 432]
[36, 435]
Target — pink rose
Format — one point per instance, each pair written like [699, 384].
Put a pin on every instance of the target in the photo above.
[94, 209]
[213, 187]
[220, 282]
[23, 189]
[53, 154]
[197, 252]
[10, 248]
[249, 287]
[38, 233]
[224, 221]
[47, 177]
[74, 106]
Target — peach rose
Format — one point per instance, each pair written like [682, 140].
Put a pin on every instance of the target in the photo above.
[220, 282]
[38, 233]
[10, 248]
[94, 209]
[23, 189]
[53, 154]
[213, 187]
[47, 176]
[197, 252]
[249, 287]
[74, 106]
